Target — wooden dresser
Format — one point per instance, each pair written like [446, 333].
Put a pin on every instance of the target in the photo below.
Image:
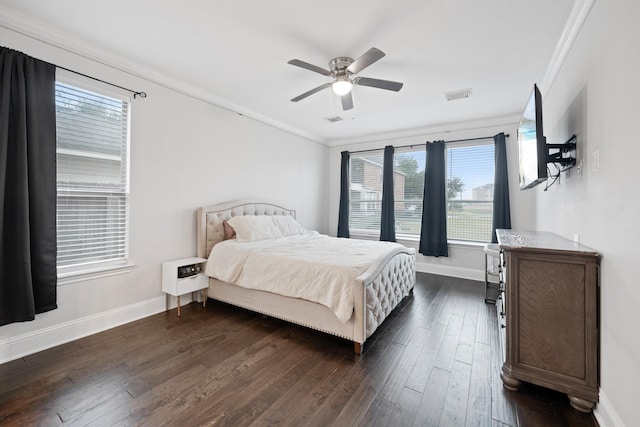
[551, 314]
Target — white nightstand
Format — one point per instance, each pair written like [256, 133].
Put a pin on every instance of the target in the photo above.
[175, 285]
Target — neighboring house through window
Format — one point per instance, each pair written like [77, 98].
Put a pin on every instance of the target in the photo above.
[365, 196]
[92, 178]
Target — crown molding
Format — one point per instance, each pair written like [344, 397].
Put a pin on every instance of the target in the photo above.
[433, 132]
[577, 18]
[59, 40]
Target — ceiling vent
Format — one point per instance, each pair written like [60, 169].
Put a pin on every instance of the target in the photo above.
[457, 94]
[333, 119]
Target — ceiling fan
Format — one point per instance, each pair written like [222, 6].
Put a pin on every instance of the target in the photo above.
[342, 69]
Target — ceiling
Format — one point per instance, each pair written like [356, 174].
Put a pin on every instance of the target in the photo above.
[234, 54]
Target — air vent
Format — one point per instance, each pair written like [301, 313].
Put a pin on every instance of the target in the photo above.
[333, 119]
[457, 94]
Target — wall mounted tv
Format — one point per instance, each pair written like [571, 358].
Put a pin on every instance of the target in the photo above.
[532, 145]
[533, 151]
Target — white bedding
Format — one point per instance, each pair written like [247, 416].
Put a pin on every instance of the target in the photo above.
[310, 266]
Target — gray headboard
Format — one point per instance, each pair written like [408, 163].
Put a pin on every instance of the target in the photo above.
[210, 229]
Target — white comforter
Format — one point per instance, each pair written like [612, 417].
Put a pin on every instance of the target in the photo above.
[310, 266]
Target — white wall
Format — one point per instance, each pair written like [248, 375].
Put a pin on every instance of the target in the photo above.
[184, 153]
[464, 260]
[596, 96]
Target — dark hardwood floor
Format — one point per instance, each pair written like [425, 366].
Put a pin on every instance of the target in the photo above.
[434, 361]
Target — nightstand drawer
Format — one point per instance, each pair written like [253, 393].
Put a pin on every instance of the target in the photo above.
[191, 284]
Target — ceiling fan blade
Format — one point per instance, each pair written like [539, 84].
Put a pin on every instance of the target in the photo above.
[347, 101]
[308, 66]
[377, 83]
[310, 92]
[368, 58]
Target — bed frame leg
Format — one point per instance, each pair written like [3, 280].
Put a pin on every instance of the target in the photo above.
[357, 348]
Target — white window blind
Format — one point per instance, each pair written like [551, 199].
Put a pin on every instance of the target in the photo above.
[409, 166]
[92, 177]
[365, 196]
[470, 177]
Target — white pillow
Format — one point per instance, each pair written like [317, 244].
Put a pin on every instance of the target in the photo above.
[288, 225]
[249, 228]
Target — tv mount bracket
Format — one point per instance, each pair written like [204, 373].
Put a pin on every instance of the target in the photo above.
[560, 156]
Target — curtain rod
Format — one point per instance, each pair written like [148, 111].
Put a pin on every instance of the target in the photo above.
[135, 93]
[506, 135]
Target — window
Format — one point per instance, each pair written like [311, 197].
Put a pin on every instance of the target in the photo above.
[409, 167]
[365, 192]
[470, 175]
[92, 178]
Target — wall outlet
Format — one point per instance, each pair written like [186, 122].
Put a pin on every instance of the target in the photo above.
[576, 238]
[595, 160]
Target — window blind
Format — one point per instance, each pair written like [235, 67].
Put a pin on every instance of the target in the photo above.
[92, 176]
[470, 176]
[409, 166]
[365, 192]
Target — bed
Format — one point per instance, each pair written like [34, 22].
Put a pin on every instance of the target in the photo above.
[375, 292]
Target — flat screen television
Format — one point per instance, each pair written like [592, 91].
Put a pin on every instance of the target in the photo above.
[533, 152]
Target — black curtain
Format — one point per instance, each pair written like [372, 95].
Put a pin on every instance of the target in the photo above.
[27, 187]
[343, 211]
[501, 210]
[388, 217]
[433, 235]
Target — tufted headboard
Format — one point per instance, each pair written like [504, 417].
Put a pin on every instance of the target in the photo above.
[210, 229]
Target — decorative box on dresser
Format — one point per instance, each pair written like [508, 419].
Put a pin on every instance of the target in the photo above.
[550, 315]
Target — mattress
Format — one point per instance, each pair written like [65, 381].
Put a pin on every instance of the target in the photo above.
[309, 266]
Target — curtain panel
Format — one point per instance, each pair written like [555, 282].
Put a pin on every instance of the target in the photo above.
[27, 187]
[433, 234]
[388, 217]
[343, 210]
[501, 207]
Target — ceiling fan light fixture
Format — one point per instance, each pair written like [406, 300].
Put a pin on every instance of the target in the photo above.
[343, 70]
[342, 86]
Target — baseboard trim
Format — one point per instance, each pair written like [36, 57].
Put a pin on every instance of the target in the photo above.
[32, 342]
[606, 414]
[452, 271]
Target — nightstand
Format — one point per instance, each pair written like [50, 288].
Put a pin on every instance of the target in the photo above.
[182, 276]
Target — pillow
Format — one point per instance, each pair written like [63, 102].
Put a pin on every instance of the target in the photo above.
[229, 232]
[249, 228]
[288, 225]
